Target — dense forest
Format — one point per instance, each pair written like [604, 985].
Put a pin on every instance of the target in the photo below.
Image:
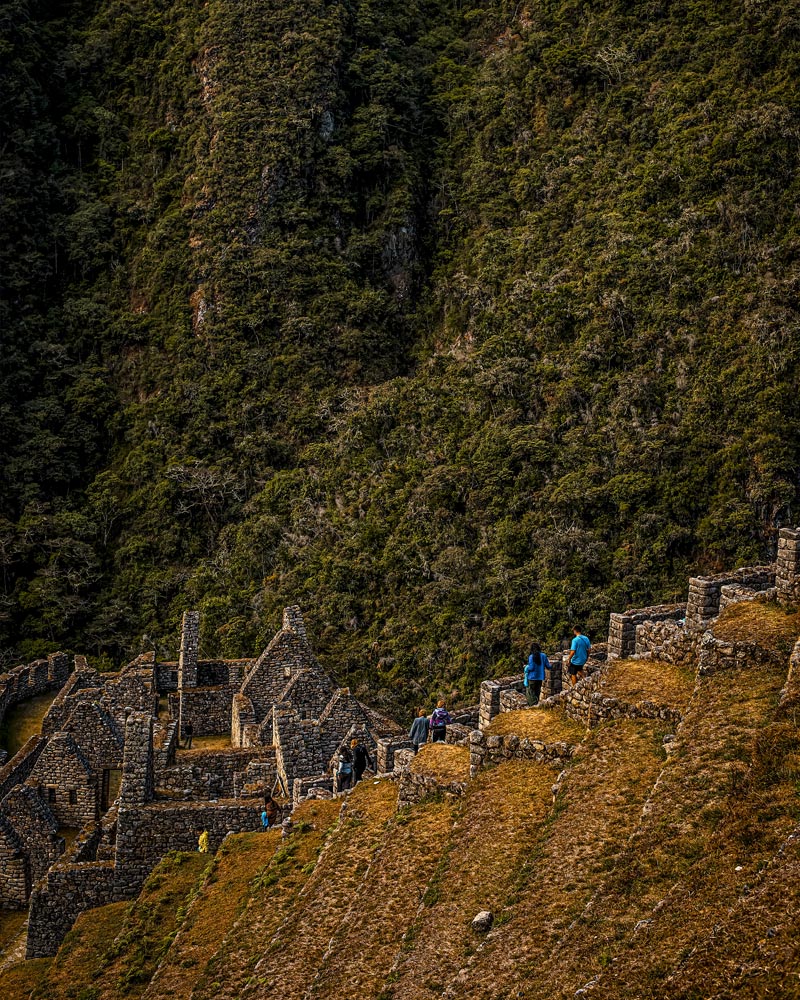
[453, 323]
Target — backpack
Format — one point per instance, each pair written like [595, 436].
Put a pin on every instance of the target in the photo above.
[439, 718]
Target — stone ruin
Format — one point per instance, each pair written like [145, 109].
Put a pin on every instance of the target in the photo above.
[672, 633]
[107, 771]
[107, 765]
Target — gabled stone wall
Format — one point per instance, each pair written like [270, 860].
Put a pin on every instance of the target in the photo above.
[66, 782]
[15, 876]
[97, 734]
[37, 827]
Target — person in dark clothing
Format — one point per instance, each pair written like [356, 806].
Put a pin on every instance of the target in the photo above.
[271, 810]
[419, 730]
[188, 732]
[534, 673]
[360, 759]
[440, 720]
[344, 772]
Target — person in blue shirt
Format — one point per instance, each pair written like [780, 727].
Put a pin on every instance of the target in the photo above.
[580, 647]
[534, 673]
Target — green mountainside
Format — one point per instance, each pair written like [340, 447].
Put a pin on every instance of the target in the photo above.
[451, 323]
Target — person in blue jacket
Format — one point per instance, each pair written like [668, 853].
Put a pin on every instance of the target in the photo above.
[534, 673]
[580, 647]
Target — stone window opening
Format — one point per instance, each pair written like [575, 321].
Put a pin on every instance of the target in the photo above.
[51, 794]
[73, 796]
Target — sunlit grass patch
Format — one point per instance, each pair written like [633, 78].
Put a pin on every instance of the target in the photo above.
[442, 761]
[11, 922]
[768, 625]
[633, 681]
[547, 725]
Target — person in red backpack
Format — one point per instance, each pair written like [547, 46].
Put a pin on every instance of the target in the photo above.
[440, 719]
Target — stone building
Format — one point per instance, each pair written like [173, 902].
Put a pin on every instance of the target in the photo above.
[108, 773]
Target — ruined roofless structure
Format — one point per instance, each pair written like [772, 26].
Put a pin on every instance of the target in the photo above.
[107, 765]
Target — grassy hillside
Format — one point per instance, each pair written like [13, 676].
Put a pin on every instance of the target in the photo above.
[452, 323]
[647, 874]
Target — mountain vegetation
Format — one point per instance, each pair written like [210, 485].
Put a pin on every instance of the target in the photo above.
[451, 322]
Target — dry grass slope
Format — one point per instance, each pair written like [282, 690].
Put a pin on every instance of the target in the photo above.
[442, 761]
[634, 681]
[364, 947]
[498, 821]
[568, 859]
[269, 899]
[292, 955]
[714, 818]
[755, 952]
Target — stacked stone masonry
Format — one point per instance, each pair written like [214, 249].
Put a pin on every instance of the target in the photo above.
[486, 750]
[787, 566]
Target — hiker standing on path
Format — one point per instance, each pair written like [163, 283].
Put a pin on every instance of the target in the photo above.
[419, 730]
[360, 759]
[534, 673]
[580, 647]
[440, 720]
[344, 773]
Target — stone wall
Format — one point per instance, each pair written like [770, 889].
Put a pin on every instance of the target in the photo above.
[82, 678]
[207, 774]
[15, 877]
[287, 654]
[97, 735]
[260, 774]
[386, 750]
[146, 834]
[207, 708]
[734, 593]
[668, 641]
[790, 695]
[243, 721]
[705, 591]
[167, 676]
[622, 627]
[138, 777]
[57, 900]
[342, 714]
[36, 827]
[66, 782]
[414, 787]
[787, 567]
[717, 654]
[302, 786]
[21, 765]
[190, 644]
[585, 703]
[485, 750]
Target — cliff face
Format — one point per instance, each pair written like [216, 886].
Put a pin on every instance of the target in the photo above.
[449, 323]
[649, 867]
